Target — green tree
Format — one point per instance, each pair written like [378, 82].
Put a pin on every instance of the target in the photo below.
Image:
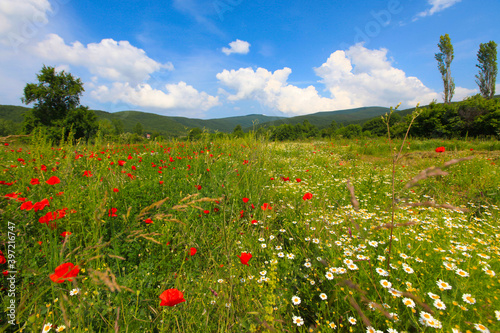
[444, 58]
[57, 105]
[138, 129]
[487, 57]
[118, 126]
[195, 134]
[238, 131]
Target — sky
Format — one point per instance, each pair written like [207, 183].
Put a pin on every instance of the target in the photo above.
[222, 58]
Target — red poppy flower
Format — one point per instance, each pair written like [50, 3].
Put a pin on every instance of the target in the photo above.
[115, 190]
[198, 187]
[5, 273]
[171, 297]
[41, 205]
[307, 196]
[245, 257]
[34, 181]
[87, 173]
[27, 205]
[148, 221]
[129, 157]
[206, 211]
[112, 212]
[298, 180]
[245, 200]
[53, 180]
[121, 163]
[192, 251]
[65, 272]
[255, 221]
[66, 233]
[2, 258]
[266, 206]
[440, 150]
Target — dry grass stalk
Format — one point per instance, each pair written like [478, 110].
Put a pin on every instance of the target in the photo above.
[117, 327]
[355, 305]
[115, 256]
[155, 205]
[390, 225]
[418, 301]
[381, 309]
[435, 205]
[354, 201]
[108, 278]
[72, 252]
[189, 197]
[434, 171]
[101, 210]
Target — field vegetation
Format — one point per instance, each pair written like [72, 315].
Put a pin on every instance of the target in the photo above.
[247, 235]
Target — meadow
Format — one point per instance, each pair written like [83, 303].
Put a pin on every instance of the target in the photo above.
[245, 235]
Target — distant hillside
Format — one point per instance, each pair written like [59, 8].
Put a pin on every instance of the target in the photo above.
[13, 113]
[324, 119]
[179, 126]
[175, 126]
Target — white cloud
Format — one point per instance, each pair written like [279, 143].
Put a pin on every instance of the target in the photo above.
[462, 93]
[272, 90]
[21, 20]
[177, 97]
[363, 77]
[109, 59]
[354, 78]
[238, 46]
[437, 6]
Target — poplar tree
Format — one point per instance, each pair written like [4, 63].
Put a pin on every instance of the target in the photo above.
[487, 57]
[444, 58]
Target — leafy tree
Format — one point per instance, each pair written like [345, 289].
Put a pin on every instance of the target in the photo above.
[57, 105]
[487, 57]
[118, 126]
[238, 131]
[444, 58]
[350, 131]
[195, 134]
[138, 129]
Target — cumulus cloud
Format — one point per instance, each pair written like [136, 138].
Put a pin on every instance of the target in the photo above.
[109, 59]
[437, 6]
[272, 90]
[354, 78]
[21, 20]
[462, 93]
[362, 77]
[238, 46]
[176, 97]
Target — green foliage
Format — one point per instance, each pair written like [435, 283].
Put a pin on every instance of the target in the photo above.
[238, 131]
[56, 99]
[444, 59]
[195, 134]
[487, 58]
[475, 116]
[138, 129]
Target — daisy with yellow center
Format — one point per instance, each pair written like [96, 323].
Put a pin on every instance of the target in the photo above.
[481, 328]
[47, 327]
[462, 273]
[468, 298]
[352, 320]
[385, 283]
[443, 285]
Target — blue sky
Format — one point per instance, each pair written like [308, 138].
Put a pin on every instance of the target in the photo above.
[220, 58]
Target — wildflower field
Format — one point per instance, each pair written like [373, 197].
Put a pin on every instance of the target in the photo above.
[250, 236]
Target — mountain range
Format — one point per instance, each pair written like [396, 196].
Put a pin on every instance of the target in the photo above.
[178, 126]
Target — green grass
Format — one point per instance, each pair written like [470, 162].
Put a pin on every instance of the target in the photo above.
[126, 264]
